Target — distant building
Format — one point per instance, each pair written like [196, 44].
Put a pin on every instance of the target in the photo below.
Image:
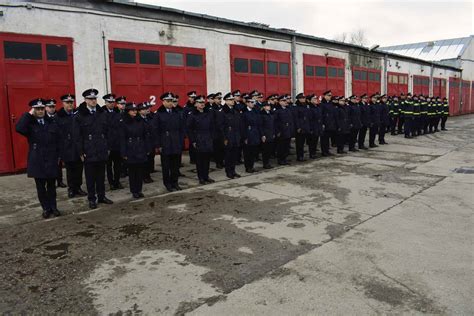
[456, 52]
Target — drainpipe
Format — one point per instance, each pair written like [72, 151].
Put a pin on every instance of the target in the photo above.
[105, 63]
[293, 67]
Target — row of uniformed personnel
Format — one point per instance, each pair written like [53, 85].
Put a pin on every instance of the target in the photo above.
[123, 135]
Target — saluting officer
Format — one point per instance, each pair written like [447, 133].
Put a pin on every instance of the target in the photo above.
[356, 121]
[43, 154]
[68, 150]
[230, 124]
[114, 161]
[329, 111]
[169, 135]
[251, 134]
[284, 128]
[302, 114]
[201, 126]
[134, 147]
[268, 132]
[91, 140]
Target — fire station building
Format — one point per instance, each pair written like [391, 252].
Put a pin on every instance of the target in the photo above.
[50, 48]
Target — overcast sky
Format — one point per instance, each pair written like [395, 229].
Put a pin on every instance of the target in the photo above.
[385, 22]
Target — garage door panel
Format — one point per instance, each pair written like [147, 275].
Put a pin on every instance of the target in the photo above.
[151, 75]
[173, 76]
[454, 96]
[268, 71]
[195, 77]
[332, 61]
[45, 71]
[314, 59]
[284, 85]
[58, 73]
[24, 72]
[18, 98]
[126, 76]
[131, 91]
[56, 91]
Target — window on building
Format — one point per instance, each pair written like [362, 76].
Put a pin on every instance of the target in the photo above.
[149, 57]
[284, 69]
[340, 72]
[256, 66]
[332, 72]
[124, 56]
[371, 76]
[309, 70]
[20, 50]
[241, 65]
[272, 68]
[320, 71]
[56, 52]
[356, 74]
[194, 60]
[174, 59]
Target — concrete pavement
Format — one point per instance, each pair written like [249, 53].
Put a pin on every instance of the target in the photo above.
[388, 231]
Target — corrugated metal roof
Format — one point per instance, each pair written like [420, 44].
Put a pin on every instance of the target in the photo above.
[434, 50]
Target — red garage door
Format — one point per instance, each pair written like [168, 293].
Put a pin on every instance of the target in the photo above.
[421, 85]
[31, 66]
[454, 84]
[466, 97]
[397, 83]
[266, 70]
[323, 73]
[472, 97]
[365, 80]
[143, 71]
[439, 87]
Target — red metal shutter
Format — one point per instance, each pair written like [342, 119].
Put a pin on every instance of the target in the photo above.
[37, 66]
